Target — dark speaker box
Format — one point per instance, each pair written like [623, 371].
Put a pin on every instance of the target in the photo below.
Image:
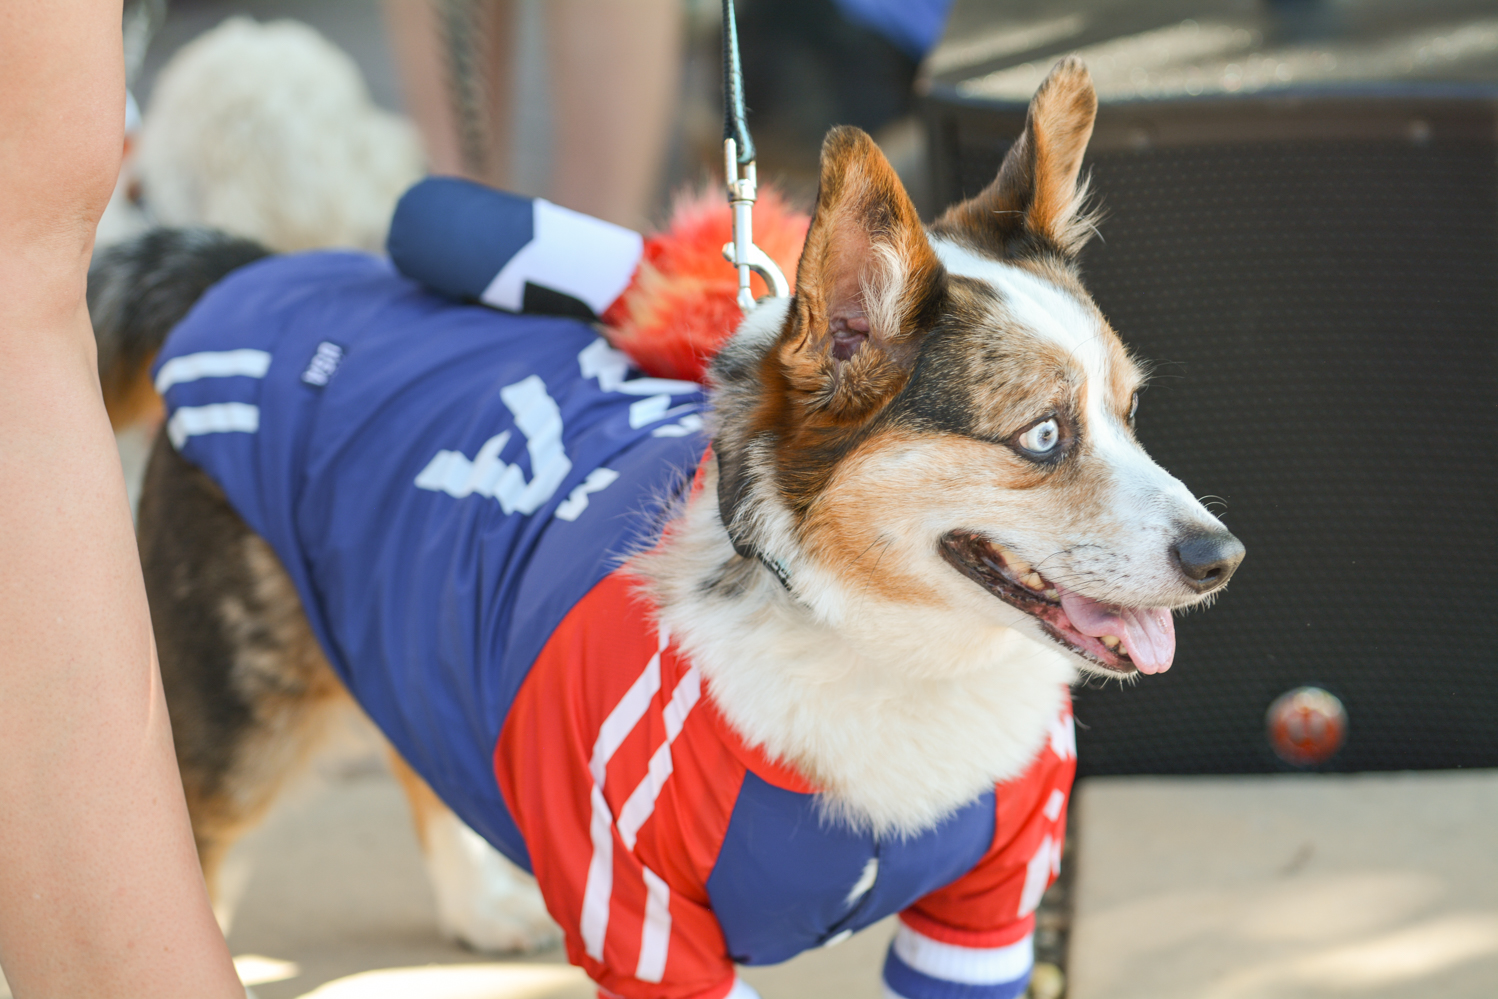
[1314, 279]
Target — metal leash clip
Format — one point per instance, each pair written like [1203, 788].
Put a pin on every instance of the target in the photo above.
[738, 168]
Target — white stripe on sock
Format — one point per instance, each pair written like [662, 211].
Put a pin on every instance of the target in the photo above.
[968, 965]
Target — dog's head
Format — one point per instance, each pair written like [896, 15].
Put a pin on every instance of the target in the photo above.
[944, 417]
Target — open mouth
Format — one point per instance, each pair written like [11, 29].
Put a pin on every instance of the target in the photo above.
[1121, 639]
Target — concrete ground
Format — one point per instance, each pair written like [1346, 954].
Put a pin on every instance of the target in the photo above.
[1369, 886]
[1292, 887]
[1360, 887]
[335, 905]
[336, 888]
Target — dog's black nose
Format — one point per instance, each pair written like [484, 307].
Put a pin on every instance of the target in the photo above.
[1207, 558]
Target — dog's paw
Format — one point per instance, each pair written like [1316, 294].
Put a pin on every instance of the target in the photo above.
[484, 902]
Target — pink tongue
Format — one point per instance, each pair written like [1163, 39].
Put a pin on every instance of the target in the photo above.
[1148, 633]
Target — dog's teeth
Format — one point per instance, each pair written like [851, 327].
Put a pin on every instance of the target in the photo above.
[1018, 566]
[1052, 595]
[1111, 641]
[1033, 581]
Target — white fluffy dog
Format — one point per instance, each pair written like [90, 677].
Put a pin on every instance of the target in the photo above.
[268, 131]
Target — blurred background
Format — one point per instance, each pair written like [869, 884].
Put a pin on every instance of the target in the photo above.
[1300, 235]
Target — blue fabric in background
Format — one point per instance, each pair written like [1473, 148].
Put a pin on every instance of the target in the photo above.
[914, 26]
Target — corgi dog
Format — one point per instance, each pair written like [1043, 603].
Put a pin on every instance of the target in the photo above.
[734, 673]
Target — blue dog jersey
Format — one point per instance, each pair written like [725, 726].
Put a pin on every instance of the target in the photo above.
[441, 482]
[452, 489]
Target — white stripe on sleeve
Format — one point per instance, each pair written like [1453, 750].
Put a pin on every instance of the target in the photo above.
[600, 886]
[641, 802]
[655, 937]
[212, 364]
[626, 714]
[599, 889]
[968, 965]
[1038, 872]
[219, 418]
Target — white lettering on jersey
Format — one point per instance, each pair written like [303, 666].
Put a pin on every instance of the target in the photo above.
[684, 427]
[219, 418]
[577, 501]
[538, 418]
[611, 368]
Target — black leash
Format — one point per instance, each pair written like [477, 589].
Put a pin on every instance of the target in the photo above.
[738, 168]
[734, 125]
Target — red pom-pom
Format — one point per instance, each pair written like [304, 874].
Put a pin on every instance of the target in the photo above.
[683, 300]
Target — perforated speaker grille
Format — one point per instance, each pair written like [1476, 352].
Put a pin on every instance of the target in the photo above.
[1322, 318]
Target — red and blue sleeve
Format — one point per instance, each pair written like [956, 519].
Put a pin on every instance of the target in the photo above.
[597, 765]
[973, 939]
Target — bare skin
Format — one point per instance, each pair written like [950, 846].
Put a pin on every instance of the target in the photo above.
[100, 890]
[613, 70]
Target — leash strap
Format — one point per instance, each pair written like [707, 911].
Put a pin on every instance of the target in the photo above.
[734, 125]
[738, 169]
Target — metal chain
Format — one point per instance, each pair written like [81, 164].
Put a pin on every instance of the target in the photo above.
[461, 22]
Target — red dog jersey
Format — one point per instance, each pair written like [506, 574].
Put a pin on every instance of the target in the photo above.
[451, 489]
[674, 850]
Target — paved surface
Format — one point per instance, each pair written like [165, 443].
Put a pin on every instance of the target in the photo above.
[1361, 887]
[337, 888]
[1374, 886]
[336, 905]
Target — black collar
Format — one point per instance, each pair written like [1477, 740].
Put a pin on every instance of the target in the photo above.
[777, 568]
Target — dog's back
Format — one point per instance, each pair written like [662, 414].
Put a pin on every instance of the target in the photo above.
[379, 438]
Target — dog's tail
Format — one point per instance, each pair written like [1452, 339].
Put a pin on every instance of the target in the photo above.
[141, 288]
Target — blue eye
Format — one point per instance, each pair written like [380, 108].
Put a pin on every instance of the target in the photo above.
[1041, 438]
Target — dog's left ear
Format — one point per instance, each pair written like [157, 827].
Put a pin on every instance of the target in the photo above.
[867, 283]
[1036, 202]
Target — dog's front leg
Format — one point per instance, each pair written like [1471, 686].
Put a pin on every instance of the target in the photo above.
[483, 901]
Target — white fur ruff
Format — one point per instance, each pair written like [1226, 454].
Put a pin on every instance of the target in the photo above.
[900, 715]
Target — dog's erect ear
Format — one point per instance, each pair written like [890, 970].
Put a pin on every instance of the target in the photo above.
[867, 283]
[1036, 201]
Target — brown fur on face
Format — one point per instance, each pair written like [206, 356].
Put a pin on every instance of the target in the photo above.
[1035, 203]
[882, 346]
[869, 287]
